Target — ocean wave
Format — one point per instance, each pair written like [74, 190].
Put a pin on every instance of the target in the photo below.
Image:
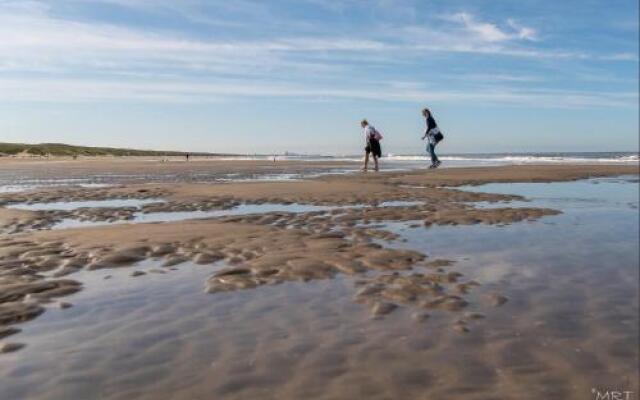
[522, 159]
[470, 158]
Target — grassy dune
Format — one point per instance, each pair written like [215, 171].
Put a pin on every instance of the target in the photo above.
[60, 149]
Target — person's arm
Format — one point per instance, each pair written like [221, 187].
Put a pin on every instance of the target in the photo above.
[426, 132]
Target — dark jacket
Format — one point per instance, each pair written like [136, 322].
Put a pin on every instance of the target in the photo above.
[431, 123]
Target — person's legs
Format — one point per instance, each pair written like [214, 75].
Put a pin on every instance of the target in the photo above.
[434, 157]
[366, 161]
[430, 148]
[376, 152]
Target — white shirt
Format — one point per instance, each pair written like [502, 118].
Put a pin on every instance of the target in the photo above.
[431, 135]
[369, 131]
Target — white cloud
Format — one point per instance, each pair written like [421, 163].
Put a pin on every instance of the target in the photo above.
[484, 31]
[33, 42]
[497, 77]
[177, 91]
[489, 32]
[523, 32]
[620, 57]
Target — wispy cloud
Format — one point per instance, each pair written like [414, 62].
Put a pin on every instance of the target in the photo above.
[36, 41]
[523, 32]
[490, 32]
[32, 40]
[42, 43]
[73, 90]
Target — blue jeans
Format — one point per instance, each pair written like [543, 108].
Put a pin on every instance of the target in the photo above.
[431, 149]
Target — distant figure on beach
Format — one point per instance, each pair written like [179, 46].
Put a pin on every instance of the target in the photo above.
[187, 156]
[433, 136]
[372, 138]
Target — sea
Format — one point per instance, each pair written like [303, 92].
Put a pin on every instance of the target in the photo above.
[617, 157]
[32, 177]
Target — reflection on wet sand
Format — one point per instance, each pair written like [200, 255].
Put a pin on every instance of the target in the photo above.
[433, 299]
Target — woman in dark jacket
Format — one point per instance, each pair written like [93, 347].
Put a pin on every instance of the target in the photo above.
[433, 136]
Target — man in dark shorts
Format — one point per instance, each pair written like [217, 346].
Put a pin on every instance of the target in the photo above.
[372, 137]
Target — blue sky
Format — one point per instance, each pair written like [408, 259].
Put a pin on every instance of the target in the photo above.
[298, 75]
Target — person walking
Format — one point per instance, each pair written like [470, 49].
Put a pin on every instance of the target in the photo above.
[433, 136]
[372, 138]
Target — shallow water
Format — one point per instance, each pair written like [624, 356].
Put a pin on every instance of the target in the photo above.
[399, 203]
[242, 209]
[34, 178]
[570, 324]
[23, 187]
[172, 216]
[74, 205]
[281, 177]
[590, 193]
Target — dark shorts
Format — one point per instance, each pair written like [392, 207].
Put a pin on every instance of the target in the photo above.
[373, 147]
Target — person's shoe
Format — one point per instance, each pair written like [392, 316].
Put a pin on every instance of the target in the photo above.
[432, 166]
[438, 164]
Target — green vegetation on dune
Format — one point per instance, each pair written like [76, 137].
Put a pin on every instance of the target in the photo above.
[60, 149]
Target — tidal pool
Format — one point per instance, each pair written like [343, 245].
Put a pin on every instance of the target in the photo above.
[74, 205]
[172, 216]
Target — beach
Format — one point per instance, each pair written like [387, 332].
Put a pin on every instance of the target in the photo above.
[240, 279]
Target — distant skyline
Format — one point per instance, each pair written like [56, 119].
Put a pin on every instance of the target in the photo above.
[298, 75]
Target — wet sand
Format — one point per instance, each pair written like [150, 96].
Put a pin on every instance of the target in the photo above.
[144, 169]
[354, 275]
